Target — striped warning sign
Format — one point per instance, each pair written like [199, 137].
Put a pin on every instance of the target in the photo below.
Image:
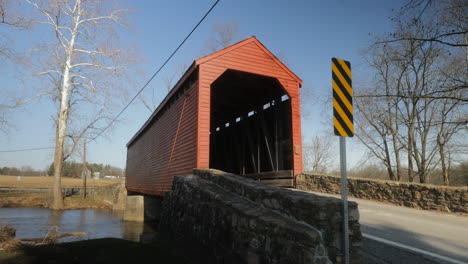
[342, 98]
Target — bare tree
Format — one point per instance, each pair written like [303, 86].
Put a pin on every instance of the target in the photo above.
[152, 104]
[318, 154]
[449, 16]
[222, 35]
[432, 39]
[10, 21]
[379, 118]
[451, 118]
[413, 71]
[448, 25]
[82, 70]
[10, 18]
[418, 112]
[3, 118]
[418, 101]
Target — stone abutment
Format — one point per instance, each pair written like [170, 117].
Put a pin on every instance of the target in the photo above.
[225, 218]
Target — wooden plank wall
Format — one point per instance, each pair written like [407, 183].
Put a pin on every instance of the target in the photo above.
[166, 148]
[178, 140]
[249, 57]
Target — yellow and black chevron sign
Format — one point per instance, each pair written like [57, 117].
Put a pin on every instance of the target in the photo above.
[342, 98]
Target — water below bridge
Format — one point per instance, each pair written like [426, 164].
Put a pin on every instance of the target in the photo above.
[98, 223]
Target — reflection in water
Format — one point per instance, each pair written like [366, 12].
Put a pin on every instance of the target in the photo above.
[54, 218]
[98, 223]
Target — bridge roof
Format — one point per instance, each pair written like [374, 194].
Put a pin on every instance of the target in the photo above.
[194, 66]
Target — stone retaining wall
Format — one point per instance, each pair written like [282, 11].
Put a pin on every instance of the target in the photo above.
[424, 196]
[243, 221]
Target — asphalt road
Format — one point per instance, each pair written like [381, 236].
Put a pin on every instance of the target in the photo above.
[442, 236]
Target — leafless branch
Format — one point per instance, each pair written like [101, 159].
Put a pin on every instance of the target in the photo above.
[455, 98]
[437, 39]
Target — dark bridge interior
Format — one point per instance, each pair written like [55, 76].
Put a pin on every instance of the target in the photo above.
[250, 125]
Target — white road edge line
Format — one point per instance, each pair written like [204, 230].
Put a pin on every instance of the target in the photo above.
[396, 244]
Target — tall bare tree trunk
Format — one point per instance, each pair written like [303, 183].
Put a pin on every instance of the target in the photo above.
[410, 153]
[397, 158]
[57, 203]
[85, 170]
[82, 55]
[61, 132]
[422, 170]
[445, 173]
[443, 162]
[62, 120]
[388, 161]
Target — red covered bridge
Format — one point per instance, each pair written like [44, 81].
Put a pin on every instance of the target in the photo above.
[236, 110]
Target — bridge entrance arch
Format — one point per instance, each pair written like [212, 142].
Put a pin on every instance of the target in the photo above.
[250, 125]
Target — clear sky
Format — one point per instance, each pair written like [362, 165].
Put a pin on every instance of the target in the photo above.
[307, 34]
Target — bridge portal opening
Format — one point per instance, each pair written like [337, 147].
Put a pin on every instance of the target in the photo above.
[250, 131]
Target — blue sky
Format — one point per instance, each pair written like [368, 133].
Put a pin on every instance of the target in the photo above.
[307, 34]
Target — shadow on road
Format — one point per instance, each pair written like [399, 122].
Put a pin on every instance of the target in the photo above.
[393, 254]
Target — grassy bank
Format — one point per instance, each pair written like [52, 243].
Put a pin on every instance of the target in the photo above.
[24, 200]
[17, 195]
[106, 250]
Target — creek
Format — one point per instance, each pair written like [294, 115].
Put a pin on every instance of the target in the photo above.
[98, 223]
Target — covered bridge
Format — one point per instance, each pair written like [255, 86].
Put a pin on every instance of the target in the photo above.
[236, 110]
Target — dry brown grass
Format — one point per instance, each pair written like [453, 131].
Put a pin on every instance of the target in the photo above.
[7, 239]
[44, 182]
[19, 197]
[34, 200]
[10, 245]
[91, 201]
[7, 233]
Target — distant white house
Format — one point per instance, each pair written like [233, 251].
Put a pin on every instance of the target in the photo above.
[110, 177]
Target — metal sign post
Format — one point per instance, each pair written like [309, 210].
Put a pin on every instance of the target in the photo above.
[344, 199]
[343, 127]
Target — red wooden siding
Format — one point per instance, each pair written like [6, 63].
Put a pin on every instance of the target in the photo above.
[166, 148]
[176, 138]
[248, 56]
